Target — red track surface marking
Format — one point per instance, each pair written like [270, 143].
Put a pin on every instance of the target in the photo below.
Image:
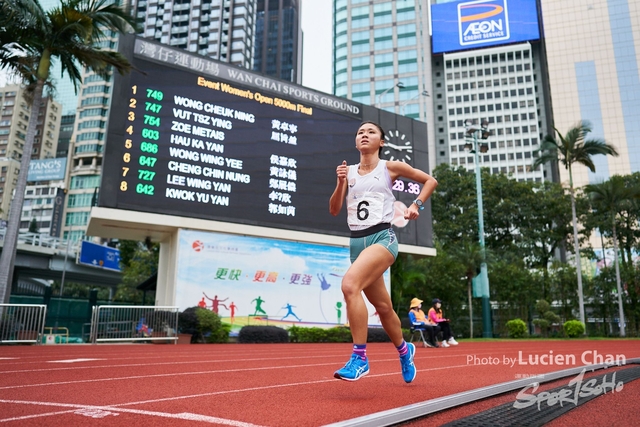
[265, 385]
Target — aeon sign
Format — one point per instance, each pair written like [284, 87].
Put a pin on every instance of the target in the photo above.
[483, 21]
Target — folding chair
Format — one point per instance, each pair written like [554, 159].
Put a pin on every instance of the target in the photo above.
[420, 331]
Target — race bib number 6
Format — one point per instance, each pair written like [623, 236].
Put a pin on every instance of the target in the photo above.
[365, 209]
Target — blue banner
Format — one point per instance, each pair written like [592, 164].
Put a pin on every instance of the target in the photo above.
[99, 256]
[475, 24]
[47, 169]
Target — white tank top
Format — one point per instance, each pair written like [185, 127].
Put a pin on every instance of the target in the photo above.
[369, 199]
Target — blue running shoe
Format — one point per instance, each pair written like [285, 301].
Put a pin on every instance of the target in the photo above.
[406, 361]
[353, 370]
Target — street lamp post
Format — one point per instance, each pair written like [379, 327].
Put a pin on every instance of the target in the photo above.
[404, 104]
[473, 131]
[400, 85]
[64, 271]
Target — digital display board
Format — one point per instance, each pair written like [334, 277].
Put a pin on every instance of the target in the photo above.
[474, 24]
[183, 140]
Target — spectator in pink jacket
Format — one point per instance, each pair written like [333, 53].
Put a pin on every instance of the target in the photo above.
[436, 317]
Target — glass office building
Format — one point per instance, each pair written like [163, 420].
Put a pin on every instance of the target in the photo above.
[221, 29]
[381, 56]
[278, 45]
[594, 59]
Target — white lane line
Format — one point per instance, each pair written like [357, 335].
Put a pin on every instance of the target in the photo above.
[180, 354]
[72, 361]
[183, 416]
[194, 373]
[8, 358]
[27, 417]
[263, 359]
[477, 348]
[186, 415]
[304, 383]
[133, 377]
[189, 362]
[227, 391]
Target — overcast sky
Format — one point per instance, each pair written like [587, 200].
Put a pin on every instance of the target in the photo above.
[317, 44]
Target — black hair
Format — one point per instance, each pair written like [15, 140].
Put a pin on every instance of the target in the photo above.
[438, 310]
[383, 135]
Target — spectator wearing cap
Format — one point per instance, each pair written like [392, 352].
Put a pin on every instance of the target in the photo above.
[420, 321]
[436, 317]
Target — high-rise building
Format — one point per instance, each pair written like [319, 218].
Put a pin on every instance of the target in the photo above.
[84, 164]
[278, 45]
[221, 29]
[15, 114]
[38, 205]
[64, 92]
[489, 64]
[382, 56]
[9, 170]
[594, 61]
[465, 73]
[503, 86]
[66, 132]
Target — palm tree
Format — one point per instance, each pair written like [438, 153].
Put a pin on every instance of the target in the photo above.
[610, 197]
[570, 149]
[69, 33]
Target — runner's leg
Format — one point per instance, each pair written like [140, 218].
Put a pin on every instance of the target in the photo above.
[365, 270]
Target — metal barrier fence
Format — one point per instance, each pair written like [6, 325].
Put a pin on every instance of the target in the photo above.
[22, 323]
[117, 323]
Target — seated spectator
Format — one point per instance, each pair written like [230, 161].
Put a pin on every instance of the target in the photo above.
[420, 321]
[436, 318]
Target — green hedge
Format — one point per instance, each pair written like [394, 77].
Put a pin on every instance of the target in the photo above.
[338, 334]
[573, 328]
[273, 334]
[517, 328]
[204, 326]
[262, 334]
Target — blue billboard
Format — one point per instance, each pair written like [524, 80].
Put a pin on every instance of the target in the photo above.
[475, 24]
[47, 169]
[99, 256]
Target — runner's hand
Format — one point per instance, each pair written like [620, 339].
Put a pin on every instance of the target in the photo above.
[341, 171]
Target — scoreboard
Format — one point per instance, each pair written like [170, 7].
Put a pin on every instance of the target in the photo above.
[192, 137]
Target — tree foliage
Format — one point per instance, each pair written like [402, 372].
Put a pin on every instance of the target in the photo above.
[139, 261]
[31, 39]
[528, 230]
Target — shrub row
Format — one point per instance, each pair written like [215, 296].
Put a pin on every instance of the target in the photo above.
[204, 326]
[262, 334]
[518, 329]
[273, 334]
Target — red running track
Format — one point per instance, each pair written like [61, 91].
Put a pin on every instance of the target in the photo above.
[253, 385]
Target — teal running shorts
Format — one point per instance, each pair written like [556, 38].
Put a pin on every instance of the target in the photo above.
[385, 237]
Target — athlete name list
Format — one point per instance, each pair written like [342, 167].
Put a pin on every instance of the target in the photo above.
[198, 169]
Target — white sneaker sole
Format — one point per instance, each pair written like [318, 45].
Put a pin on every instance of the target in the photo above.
[338, 376]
